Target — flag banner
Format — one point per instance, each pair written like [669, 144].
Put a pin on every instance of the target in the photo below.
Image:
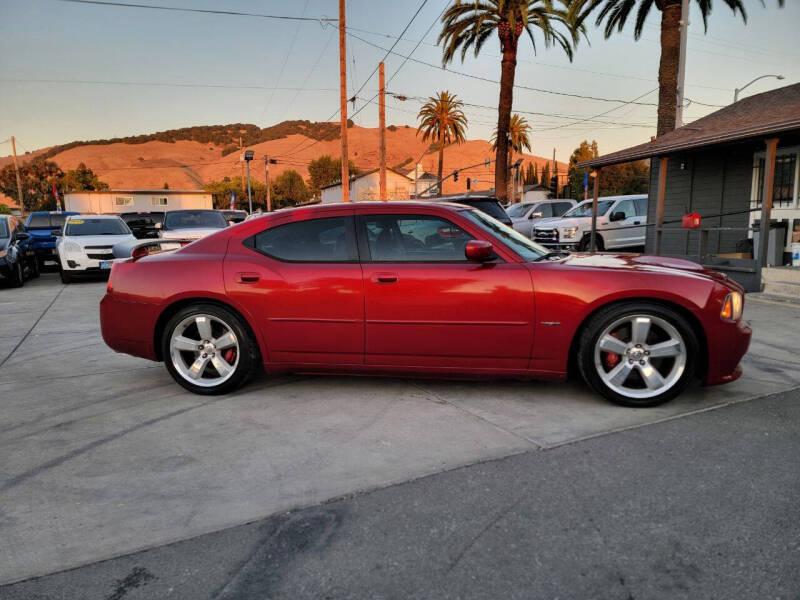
[233, 200]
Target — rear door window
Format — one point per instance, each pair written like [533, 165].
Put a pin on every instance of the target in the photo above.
[326, 240]
[641, 207]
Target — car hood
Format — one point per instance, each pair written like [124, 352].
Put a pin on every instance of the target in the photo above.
[42, 233]
[190, 234]
[99, 240]
[646, 263]
[552, 222]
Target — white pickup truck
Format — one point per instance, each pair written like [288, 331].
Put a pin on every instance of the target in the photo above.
[573, 230]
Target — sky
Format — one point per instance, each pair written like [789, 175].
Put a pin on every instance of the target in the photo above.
[73, 71]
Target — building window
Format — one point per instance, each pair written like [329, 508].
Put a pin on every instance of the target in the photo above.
[123, 201]
[159, 201]
[783, 186]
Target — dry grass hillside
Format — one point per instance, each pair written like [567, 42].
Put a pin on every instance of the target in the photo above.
[189, 164]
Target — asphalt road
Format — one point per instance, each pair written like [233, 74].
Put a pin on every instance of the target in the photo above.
[704, 506]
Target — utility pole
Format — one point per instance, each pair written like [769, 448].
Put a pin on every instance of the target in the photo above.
[682, 63]
[266, 178]
[343, 100]
[382, 126]
[241, 158]
[555, 170]
[20, 199]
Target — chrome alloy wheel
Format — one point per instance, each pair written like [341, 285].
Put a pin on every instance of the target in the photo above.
[204, 350]
[640, 356]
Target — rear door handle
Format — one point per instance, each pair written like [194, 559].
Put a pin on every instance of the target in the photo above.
[247, 277]
[384, 277]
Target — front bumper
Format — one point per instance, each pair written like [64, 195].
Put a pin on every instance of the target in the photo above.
[726, 347]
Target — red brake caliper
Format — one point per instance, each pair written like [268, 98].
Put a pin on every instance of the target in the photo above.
[229, 355]
[611, 360]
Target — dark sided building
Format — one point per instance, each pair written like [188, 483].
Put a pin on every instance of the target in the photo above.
[716, 167]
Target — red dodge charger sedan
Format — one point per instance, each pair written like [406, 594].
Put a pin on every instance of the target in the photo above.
[426, 289]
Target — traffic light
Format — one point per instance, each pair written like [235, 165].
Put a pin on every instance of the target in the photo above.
[468, 186]
[554, 186]
[455, 175]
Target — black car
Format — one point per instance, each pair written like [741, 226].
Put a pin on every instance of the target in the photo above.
[487, 204]
[234, 216]
[143, 224]
[17, 257]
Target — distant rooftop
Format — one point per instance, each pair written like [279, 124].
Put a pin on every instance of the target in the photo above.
[159, 191]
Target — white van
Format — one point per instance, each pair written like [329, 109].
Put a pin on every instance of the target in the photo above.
[573, 230]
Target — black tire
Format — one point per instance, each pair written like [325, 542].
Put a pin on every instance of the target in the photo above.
[585, 244]
[604, 318]
[18, 279]
[34, 269]
[65, 277]
[249, 355]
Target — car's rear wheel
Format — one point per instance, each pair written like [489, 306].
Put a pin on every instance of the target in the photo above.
[638, 354]
[585, 245]
[208, 349]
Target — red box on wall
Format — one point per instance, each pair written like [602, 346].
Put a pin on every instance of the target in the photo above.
[691, 221]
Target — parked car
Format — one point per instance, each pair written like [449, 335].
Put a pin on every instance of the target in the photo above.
[573, 230]
[421, 288]
[191, 224]
[526, 214]
[41, 225]
[17, 257]
[490, 205]
[143, 225]
[85, 245]
[234, 216]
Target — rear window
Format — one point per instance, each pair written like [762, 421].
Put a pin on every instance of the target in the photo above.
[143, 219]
[39, 221]
[190, 219]
[94, 226]
[45, 221]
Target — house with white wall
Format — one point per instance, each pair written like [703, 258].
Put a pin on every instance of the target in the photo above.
[366, 188]
[122, 201]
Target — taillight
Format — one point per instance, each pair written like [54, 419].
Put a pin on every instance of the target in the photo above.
[140, 252]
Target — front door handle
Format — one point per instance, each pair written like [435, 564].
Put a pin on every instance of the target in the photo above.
[384, 277]
[247, 277]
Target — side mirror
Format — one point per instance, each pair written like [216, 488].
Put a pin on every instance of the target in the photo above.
[57, 233]
[21, 235]
[159, 225]
[479, 251]
[617, 216]
[536, 215]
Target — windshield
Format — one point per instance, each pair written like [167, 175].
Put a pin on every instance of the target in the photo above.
[143, 219]
[191, 219]
[89, 226]
[4, 229]
[584, 209]
[518, 210]
[527, 249]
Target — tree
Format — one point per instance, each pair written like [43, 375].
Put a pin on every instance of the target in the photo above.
[81, 179]
[326, 170]
[615, 180]
[443, 121]
[166, 186]
[467, 25]
[4, 210]
[529, 174]
[535, 174]
[545, 180]
[615, 13]
[288, 189]
[583, 152]
[518, 136]
[38, 177]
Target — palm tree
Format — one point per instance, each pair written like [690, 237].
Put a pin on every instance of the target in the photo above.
[443, 121]
[518, 137]
[467, 25]
[615, 13]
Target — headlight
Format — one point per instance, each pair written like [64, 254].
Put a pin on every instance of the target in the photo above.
[72, 248]
[568, 233]
[732, 307]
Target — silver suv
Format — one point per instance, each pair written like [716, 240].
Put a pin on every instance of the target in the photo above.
[525, 215]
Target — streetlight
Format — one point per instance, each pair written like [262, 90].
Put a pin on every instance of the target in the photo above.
[736, 93]
[248, 156]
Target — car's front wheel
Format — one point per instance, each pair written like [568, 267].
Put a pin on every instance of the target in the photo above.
[638, 354]
[17, 276]
[208, 349]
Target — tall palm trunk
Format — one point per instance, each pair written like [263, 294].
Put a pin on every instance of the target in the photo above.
[441, 166]
[668, 68]
[508, 70]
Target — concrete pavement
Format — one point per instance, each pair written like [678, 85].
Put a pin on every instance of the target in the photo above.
[699, 507]
[104, 455]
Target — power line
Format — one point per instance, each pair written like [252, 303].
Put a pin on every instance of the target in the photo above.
[166, 84]
[199, 10]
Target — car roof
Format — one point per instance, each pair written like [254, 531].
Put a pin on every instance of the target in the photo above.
[69, 217]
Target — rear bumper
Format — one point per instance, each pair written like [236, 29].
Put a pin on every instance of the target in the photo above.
[726, 347]
[128, 327]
